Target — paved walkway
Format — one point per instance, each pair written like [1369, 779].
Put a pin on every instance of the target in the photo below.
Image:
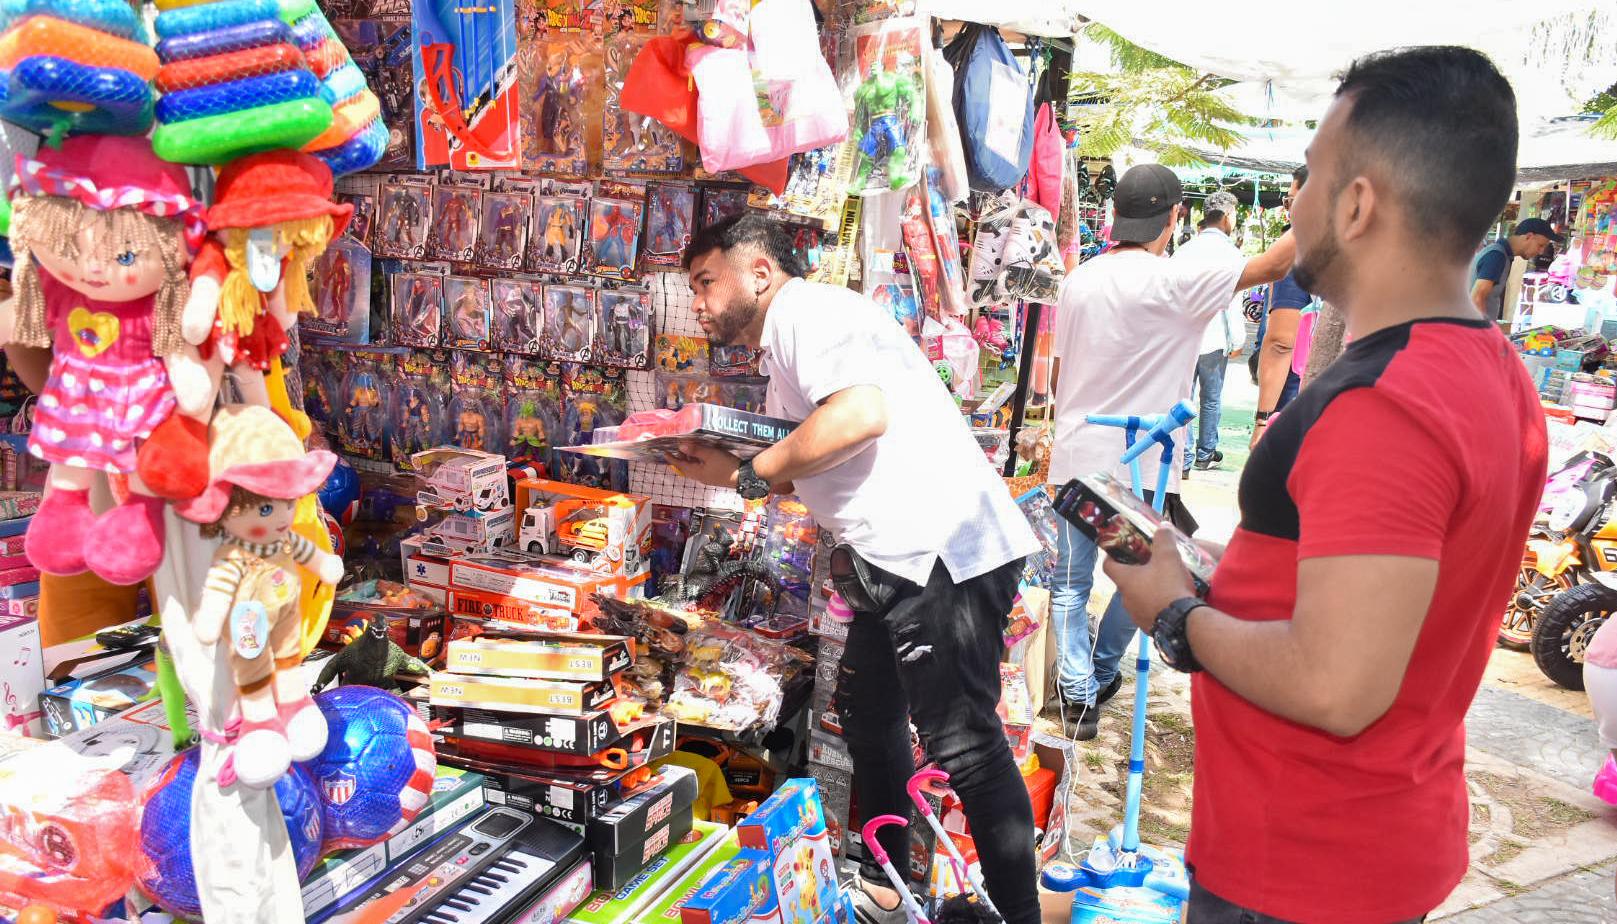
[1543, 848]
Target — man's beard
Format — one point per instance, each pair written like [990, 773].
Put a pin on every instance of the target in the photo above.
[737, 317]
[1313, 272]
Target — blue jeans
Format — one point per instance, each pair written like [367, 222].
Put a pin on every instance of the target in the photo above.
[1203, 431]
[1083, 667]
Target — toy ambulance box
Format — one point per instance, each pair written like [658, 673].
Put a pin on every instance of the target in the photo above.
[461, 479]
[608, 531]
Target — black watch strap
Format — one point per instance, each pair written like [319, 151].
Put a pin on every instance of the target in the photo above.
[748, 483]
[1171, 637]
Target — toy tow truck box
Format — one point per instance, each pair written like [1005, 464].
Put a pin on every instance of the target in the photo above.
[608, 531]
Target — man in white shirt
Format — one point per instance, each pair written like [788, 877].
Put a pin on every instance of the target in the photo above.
[930, 542]
[1128, 329]
[1224, 334]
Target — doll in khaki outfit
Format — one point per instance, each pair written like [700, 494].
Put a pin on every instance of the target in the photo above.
[258, 470]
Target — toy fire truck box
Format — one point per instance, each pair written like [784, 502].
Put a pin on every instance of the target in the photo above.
[79, 702]
[519, 694]
[739, 892]
[486, 611]
[462, 480]
[606, 530]
[790, 829]
[423, 569]
[663, 873]
[473, 532]
[551, 657]
[584, 735]
[656, 436]
[670, 793]
[22, 675]
[555, 585]
[613, 870]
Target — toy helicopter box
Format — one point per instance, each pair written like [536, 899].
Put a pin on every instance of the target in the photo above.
[606, 906]
[607, 531]
[656, 436]
[465, 65]
[518, 694]
[554, 657]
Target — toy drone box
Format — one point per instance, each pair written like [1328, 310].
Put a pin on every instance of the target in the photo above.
[79, 703]
[552, 657]
[607, 531]
[664, 871]
[518, 694]
[656, 436]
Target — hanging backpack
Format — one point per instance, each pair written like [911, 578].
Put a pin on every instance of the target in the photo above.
[993, 102]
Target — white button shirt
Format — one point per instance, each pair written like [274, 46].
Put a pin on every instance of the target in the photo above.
[921, 491]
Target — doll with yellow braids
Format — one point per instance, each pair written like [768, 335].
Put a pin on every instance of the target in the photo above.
[272, 217]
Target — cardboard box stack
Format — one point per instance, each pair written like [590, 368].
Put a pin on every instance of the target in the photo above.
[22, 675]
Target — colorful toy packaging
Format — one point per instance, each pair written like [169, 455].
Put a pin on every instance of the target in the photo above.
[418, 419]
[569, 332]
[634, 143]
[721, 202]
[670, 216]
[562, 83]
[533, 410]
[681, 354]
[470, 318]
[405, 219]
[342, 293]
[465, 63]
[76, 68]
[519, 314]
[418, 309]
[456, 210]
[361, 407]
[613, 245]
[503, 242]
[606, 531]
[888, 99]
[623, 328]
[381, 50]
[557, 241]
[476, 413]
[595, 397]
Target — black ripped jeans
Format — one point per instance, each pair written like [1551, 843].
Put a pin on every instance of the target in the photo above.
[931, 655]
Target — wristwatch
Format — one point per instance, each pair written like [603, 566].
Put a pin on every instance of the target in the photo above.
[1259, 417]
[748, 484]
[1168, 632]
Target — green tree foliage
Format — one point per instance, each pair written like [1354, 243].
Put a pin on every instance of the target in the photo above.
[1151, 101]
[1606, 105]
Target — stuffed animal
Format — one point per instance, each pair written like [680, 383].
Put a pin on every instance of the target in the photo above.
[272, 216]
[257, 471]
[102, 233]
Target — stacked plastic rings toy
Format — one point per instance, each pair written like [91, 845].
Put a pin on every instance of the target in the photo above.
[75, 66]
[357, 138]
[234, 81]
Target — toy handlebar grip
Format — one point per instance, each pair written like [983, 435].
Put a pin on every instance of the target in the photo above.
[868, 832]
[1177, 416]
[920, 779]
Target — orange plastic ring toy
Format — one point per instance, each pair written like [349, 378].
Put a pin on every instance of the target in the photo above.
[350, 117]
[248, 62]
[58, 38]
[327, 57]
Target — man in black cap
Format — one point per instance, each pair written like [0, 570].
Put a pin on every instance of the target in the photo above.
[1491, 267]
[1128, 331]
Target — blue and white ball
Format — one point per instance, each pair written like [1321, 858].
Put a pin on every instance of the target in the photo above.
[341, 492]
[167, 875]
[376, 773]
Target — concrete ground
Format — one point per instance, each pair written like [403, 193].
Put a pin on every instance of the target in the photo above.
[1543, 848]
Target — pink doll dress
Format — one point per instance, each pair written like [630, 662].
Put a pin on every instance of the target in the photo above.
[105, 390]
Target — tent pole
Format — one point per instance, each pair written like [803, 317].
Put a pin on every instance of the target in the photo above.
[1024, 377]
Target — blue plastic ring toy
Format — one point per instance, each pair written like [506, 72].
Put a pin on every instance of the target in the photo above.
[116, 17]
[121, 101]
[236, 96]
[310, 31]
[221, 14]
[342, 83]
[360, 152]
[223, 41]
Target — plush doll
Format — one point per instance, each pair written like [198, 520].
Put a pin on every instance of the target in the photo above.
[272, 217]
[257, 471]
[102, 233]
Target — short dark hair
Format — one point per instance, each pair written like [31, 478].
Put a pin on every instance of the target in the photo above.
[1300, 176]
[1442, 120]
[749, 229]
[1210, 218]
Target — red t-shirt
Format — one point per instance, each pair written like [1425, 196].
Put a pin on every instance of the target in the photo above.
[1425, 440]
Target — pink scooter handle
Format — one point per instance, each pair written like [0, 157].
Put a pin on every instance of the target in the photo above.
[919, 782]
[868, 832]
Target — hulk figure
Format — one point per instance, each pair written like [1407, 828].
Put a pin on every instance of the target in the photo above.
[882, 103]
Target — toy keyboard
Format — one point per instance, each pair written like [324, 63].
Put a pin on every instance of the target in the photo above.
[487, 871]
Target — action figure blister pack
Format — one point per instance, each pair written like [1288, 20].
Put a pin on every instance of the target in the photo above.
[341, 280]
[670, 215]
[361, 411]
[569, 332]
[719, 203]
[631, 142]
[557, 242]
[457, 210]
[418, 309]
[614, 237]
[363, 221]
[404, 221]
[731, 359]
[533, 409]
[470, 320]
[381, 48]
[675, 391]
[623, 328]
[417, 417]
[320, 384]
[887, 95]
[503, 242]
[519, 315]
[562, 85]
[899, 299]
[595, 397]
[681, 354]
[476, 413]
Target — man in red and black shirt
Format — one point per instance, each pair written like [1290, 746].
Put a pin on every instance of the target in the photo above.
[1382, 519]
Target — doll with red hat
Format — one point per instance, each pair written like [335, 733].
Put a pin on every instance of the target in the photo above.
[272, 217]
[102, 232]
[257, 471]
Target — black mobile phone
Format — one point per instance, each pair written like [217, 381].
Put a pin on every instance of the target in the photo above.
[126, 637]
[1106, 511]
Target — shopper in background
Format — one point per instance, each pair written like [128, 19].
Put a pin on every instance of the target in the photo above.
[1128, 330]
[1277, 383]
[1224, 333]
[931, 542]
[1491, 267]
[1382, 518]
